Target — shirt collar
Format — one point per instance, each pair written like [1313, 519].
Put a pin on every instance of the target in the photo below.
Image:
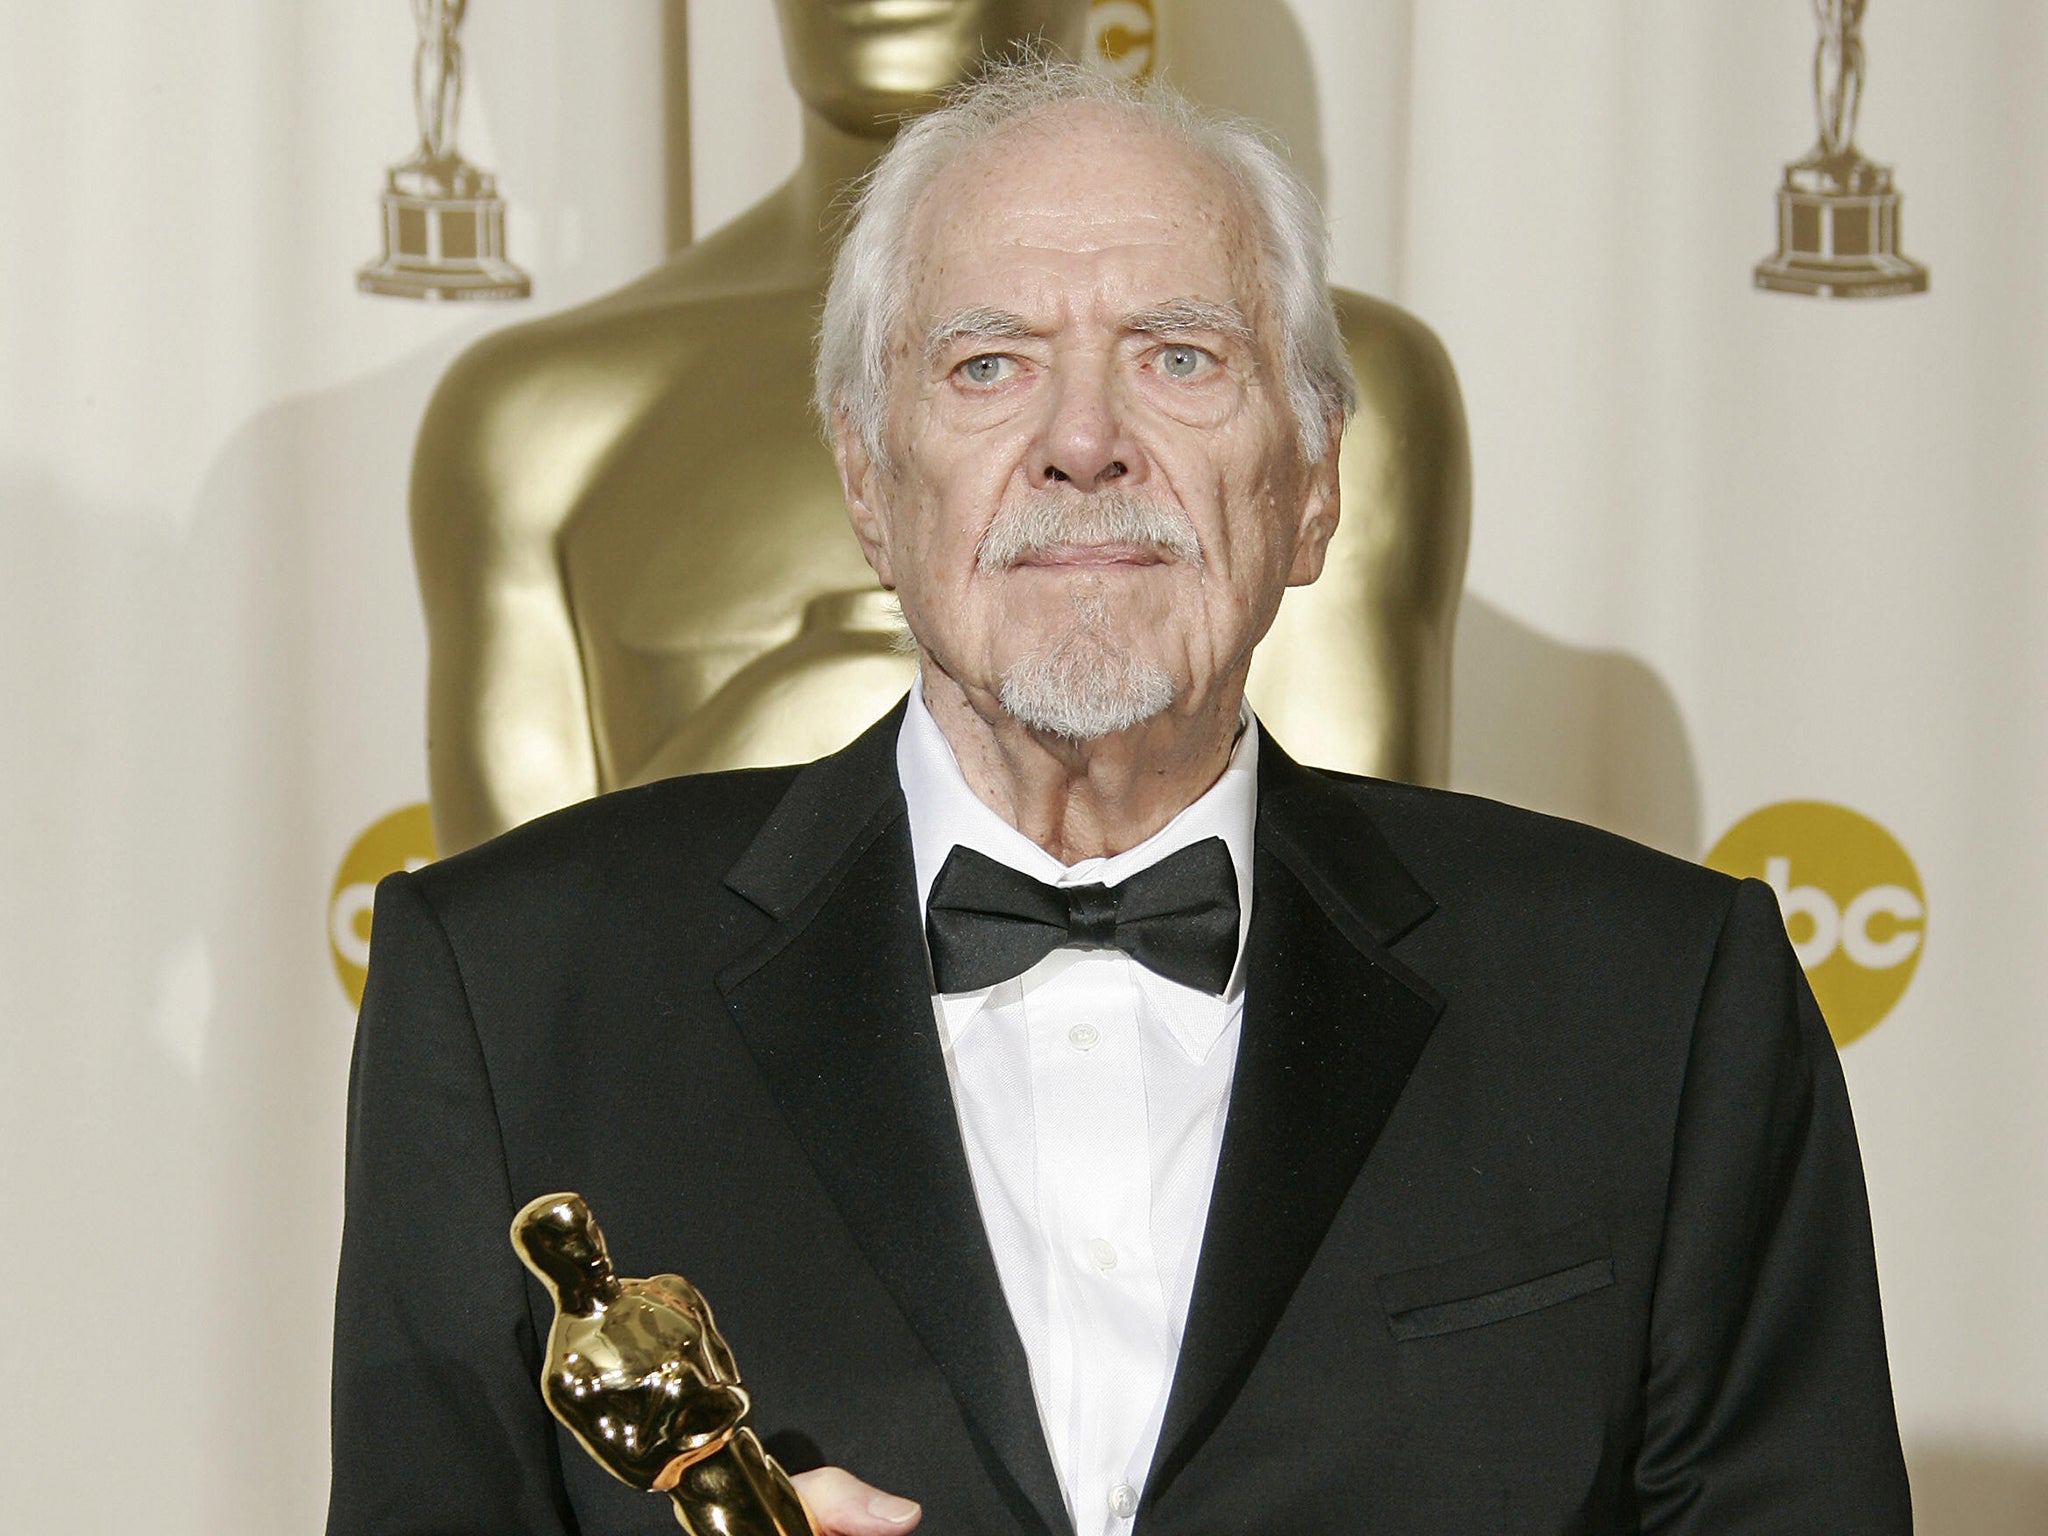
[945, 812]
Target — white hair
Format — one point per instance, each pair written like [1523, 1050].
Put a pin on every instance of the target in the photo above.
[1083, 685]
[865, 304]
[1065, 514]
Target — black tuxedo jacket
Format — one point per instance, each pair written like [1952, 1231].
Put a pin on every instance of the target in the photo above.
[1539, 1206]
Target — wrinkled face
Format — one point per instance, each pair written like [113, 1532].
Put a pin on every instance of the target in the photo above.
[1093, 479]
[865, 64]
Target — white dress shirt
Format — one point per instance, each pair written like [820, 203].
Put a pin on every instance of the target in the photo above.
[1091, 1096]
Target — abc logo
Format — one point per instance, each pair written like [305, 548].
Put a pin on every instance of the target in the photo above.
[402, 840]
[1854, 908]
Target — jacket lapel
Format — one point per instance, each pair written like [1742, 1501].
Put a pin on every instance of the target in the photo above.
[836, 1006]
[1333, 1027]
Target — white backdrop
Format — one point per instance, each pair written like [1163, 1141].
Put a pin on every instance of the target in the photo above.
[213, 678]
[1730, 549]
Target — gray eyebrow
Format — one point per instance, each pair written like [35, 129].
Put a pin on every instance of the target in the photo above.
[984, 322]
[981, 321]
[1178, 316]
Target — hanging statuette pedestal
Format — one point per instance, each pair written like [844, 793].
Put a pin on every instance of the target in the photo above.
[1838, 212]
[444, 236]
[1838, 233]
[444, 223]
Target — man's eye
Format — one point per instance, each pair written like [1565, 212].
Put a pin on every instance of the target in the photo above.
[1183, 362]
[989, 368]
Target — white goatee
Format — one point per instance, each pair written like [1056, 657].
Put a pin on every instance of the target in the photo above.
[1083, 686]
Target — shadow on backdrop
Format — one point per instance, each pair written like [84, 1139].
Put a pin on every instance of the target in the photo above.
[1974, 1490]
[222, 681]
[299, 572]
[1592, 735]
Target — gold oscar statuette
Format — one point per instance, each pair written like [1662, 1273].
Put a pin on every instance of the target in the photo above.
[636, 1371]
[444, 223]
[1838, 212]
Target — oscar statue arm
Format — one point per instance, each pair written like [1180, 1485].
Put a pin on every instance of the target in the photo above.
[494, 478]
[1356, 673]
[438, 1423]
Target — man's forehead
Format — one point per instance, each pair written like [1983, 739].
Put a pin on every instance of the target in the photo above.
[1089, 196]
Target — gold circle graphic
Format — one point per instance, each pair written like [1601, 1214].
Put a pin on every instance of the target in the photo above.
[1124, 33]
[1853, 903]
[402, 840]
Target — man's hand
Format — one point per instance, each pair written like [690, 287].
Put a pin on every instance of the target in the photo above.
[842, 1505]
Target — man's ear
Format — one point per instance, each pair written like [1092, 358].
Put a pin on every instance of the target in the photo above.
[860, 483]
[1320, 505]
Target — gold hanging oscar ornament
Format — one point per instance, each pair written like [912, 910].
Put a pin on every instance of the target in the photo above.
[1838, 212]
[444, 223]
[636, 1371]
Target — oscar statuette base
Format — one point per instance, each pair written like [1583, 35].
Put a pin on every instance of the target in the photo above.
[1838, 236]
[444, 238]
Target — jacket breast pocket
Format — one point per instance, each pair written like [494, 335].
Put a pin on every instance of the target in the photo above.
[1501, 1283]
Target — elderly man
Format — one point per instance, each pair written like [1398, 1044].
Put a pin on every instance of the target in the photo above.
[1080, 1114]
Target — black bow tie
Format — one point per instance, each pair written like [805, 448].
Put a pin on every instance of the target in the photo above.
[987, 922]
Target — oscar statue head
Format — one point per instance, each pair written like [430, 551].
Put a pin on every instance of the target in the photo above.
[561, 1243]
[865, 65]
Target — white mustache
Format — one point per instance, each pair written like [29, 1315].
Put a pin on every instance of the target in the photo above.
[1069, 517]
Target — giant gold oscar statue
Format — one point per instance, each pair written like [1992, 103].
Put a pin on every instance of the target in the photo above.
[632, 548]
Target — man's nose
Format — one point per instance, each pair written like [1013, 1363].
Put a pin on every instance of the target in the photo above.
[1083, 440]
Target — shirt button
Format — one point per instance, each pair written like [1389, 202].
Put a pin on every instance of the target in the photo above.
[1101, 1254]
[1084, 1037]
[1123, 1501]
